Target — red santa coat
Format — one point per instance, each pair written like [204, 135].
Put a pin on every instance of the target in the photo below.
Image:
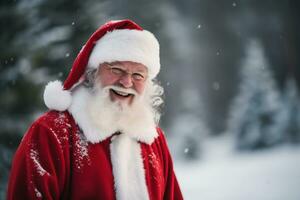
[55, 161]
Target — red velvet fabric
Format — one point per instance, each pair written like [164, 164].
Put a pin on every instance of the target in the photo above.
[54, 161]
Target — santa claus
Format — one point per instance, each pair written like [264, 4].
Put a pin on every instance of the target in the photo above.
[100, 139]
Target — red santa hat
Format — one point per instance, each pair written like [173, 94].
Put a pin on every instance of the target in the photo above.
[121, 40]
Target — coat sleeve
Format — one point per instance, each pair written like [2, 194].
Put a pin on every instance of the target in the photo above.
[39, 166]
[172, 188]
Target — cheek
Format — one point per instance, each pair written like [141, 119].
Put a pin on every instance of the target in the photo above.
[140, 88]
[107, 80]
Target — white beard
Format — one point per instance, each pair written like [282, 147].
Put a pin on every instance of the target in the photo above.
[112, 117]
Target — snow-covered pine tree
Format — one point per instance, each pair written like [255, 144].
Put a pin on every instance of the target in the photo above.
[38, 44]
[290, 110]
[188, 127]
[254, 113]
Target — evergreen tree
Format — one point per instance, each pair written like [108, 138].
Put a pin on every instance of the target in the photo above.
[188, 132]
[39, 44]
[188, 127]
[290, 110]
[11, 21]
[254, 117]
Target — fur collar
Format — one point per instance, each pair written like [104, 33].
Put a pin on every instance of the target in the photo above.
[145, 132]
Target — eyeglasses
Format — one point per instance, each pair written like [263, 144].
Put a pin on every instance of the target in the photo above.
[119, 72]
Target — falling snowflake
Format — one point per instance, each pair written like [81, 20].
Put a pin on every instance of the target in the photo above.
[216, 85]
[199, 26]
[186, 150]
[234, 4]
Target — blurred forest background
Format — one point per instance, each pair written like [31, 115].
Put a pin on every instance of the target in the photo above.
[229, 67]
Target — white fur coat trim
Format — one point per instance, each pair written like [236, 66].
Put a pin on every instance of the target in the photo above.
[127, 45]
[128, 169]
[145, 133]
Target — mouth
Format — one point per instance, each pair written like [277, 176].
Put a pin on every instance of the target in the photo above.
[120, 93]
[121, 96]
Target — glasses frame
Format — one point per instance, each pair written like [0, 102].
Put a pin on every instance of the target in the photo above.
[119, 71]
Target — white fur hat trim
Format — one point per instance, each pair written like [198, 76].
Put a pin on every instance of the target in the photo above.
[127, 45]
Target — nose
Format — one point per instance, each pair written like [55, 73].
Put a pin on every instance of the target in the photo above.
[126, 81]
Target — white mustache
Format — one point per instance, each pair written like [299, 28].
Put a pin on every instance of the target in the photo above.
[120, 89]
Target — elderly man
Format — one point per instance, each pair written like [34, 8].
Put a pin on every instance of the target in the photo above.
[100, 139]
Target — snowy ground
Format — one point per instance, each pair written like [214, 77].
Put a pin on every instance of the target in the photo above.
[266, 175]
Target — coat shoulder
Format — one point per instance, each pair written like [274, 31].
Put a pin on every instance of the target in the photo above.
[52, 124]
[55, 119]
[161, 136]
[160, 143]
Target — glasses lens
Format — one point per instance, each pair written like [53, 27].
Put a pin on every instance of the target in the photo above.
[118, 71]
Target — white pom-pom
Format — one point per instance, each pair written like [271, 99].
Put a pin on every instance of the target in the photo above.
[55, 97]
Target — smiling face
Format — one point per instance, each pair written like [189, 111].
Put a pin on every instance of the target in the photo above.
[126, 80]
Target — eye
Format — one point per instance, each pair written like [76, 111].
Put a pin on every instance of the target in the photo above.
[138, 76]
[117, 71]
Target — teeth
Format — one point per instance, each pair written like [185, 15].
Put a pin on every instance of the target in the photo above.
[121, 93]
